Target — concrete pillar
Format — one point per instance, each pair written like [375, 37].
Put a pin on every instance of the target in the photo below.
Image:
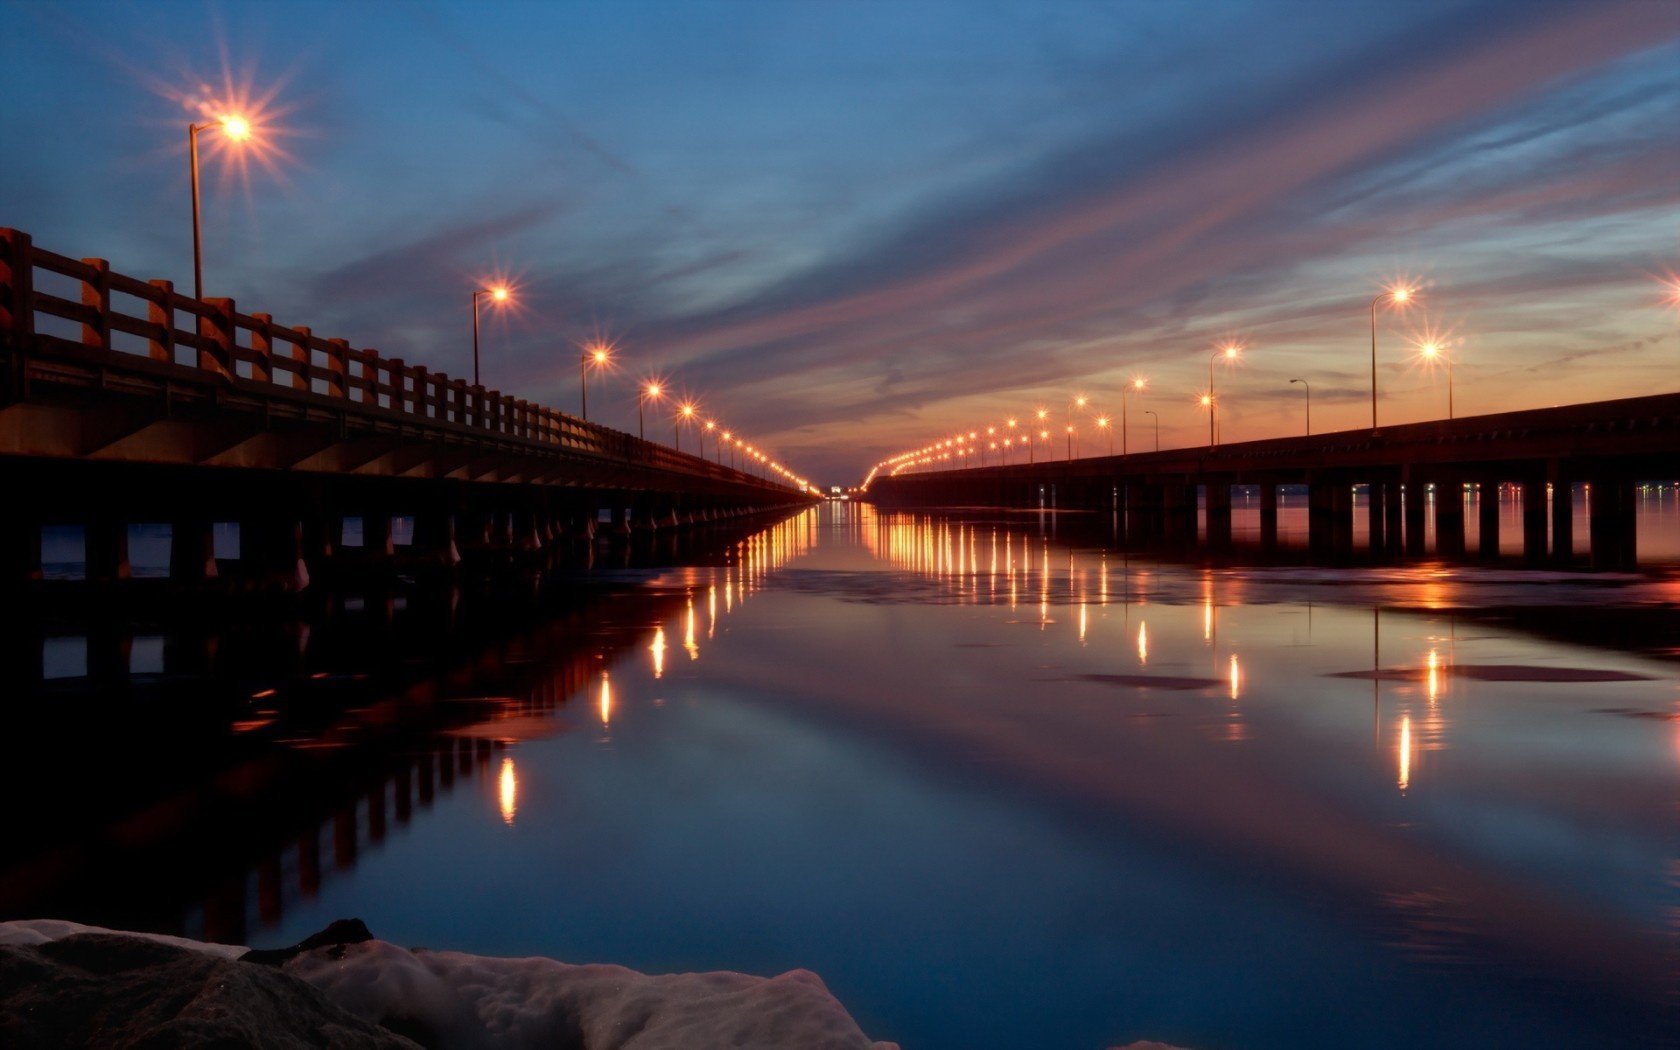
[1178, 512]
[20, 547]
[1563, 521]
[1268, 515]
[1534, 519]
[1218, 514]
[1487, 519]
[1449, 517]
[106, 537]
[271, 552]
[1613, 513]
[192, 550]
[1376, 516]
[1320, 516]
[376, 535]
[434, 537]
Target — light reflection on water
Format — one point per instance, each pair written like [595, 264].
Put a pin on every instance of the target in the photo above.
[1090, 834]
[1234, 806]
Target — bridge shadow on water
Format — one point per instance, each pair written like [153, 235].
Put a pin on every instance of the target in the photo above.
[187, 762]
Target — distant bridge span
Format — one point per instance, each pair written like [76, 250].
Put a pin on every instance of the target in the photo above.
[1606, 445]
[123, 401]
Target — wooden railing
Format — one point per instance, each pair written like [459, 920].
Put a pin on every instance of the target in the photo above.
[253, 351]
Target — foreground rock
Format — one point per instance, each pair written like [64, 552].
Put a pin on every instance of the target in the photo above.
[95, 989]
[61, 984]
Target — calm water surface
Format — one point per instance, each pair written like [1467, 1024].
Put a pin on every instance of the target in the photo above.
[1002, 788]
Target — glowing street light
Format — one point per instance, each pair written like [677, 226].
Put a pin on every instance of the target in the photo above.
[651, 391]
[598, 356]
[1102, 424]
[1431, 350]
[235, 128]
[1137, 385]
[1399, 295]
[498, 293]
[1308, 388]
[684, 414]
[1229, 353]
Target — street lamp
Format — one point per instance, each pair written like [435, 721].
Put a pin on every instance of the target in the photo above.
[1078, 402]
[651, 391]
[1433, 351]
[1137, 385]
[1308, 388]
[498, 293]
[1031, 447]
[711, 428]
[1102, 424]
[236, 129]
[1399, 295]
[599, 356]
[1229, 353]
[1152, 412]
[685, 413]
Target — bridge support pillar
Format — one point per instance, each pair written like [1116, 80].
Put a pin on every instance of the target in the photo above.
[1376, 516]
[271, 552]
[1534, 519]
[434, 537]
[1487, 519]
[1394, 518]
[20, 547]
[1329, 517]
[1178, 512]
[1563, 521]
[376, 535]
[1613, 508]
[106, 537]
[1218, 515]
[1143, 511]
[192, 550]
[1268, 515]
[1416, 504]
[1449, 518]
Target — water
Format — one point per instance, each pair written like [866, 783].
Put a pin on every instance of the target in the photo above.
[999, 786]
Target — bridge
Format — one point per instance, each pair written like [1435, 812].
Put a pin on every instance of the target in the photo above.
[124, 402]
[1407, 471]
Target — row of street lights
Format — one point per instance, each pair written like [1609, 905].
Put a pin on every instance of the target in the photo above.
[238, 129]
[1430, 349]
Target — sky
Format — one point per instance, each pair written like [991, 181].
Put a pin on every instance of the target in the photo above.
[849, 228]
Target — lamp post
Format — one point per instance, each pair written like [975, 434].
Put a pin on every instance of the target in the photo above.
[711, 428]
[1078, 402]
[1102, 424]
[1433, 351]
[1308, 388]
[685, 413]
[1137, 384]
[237, 129]
[650, 392]
[498, 293]
[1400, 295]
[1152, 412]
[599, 356]
[1229, 353]
[1031, 449]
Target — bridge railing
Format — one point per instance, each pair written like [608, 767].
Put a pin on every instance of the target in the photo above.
[218, 340]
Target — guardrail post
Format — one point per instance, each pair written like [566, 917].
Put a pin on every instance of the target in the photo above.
[96, 295]
[303, 356]
[338, 362]
[262, 344]
[218, 328]
[160, 311]
[17, 280]
[370, 377]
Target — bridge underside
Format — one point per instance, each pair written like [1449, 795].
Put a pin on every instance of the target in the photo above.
[1414, 478]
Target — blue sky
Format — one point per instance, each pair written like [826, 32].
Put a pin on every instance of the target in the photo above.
[848, 228]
